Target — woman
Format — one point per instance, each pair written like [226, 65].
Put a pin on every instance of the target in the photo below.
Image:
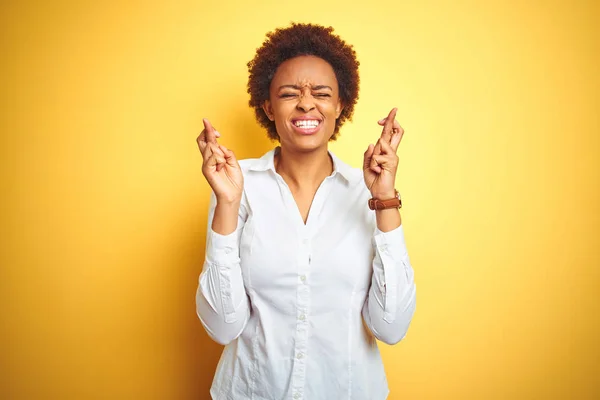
[301, 274]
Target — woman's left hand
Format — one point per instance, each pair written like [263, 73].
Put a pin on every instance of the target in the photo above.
[381, 162]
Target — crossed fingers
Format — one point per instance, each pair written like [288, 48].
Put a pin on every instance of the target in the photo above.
[207, 142]
[392, 132]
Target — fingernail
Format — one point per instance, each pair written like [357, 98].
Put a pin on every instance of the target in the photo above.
[217, 134]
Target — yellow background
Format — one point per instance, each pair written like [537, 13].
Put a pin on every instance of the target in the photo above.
[103, 204]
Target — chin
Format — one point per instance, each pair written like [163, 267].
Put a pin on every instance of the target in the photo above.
[306, 144]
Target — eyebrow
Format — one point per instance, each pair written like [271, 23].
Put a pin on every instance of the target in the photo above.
[318, 87]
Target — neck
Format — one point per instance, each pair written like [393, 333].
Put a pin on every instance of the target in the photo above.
[303, 171]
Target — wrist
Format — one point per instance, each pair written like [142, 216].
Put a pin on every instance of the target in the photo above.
[388, 219]
[229, 201]
[385, 201]
[384, 195]
[225, 218]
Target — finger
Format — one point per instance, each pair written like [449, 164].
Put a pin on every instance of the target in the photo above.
[376, 161]
[382, 122]
[396, 127]
[377, 148]
[386, 162]
[210, 131]
[229, 156]
[220, 162]
[216, 148]
[374, 164]
[397, 133]
[210, 162]
[386, 148]
[219, 155]
[201, 140]
[397, 136]
[390, 148]
[389, 125]
[215, 161]
[210, 149]
[367, 157]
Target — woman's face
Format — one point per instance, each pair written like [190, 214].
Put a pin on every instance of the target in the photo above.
[304, 102]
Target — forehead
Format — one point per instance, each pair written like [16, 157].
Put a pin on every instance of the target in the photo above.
[305, 70]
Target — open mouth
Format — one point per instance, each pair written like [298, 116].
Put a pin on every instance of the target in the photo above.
[306, 126]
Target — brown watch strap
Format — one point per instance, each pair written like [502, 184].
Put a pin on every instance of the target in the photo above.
[376, 204]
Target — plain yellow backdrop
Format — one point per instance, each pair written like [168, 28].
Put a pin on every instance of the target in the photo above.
[103, 204]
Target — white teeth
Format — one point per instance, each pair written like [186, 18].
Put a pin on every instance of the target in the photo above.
[305, 123]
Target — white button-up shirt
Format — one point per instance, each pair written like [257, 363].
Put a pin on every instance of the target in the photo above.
[298, 305]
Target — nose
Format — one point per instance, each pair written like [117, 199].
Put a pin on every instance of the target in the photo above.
[306, 102]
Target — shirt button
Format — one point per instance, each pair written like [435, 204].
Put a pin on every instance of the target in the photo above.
[300, 356]
[302, 317]
[303, 278]
[297, 396]
[304, 241]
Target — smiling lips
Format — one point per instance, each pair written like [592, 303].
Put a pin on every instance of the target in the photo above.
[306, 126]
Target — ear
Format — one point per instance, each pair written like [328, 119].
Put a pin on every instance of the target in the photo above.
[268, 110]
[339, 108]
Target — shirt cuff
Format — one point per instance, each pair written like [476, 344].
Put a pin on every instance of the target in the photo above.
[392, 253]
[391, 243]
[222, 250]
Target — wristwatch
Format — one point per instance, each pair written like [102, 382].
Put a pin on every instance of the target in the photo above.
[376, 204]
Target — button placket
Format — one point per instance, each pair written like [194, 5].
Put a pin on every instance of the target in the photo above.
[303, 301]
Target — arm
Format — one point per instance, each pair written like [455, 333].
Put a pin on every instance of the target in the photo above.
[391, 301]
[221, 300]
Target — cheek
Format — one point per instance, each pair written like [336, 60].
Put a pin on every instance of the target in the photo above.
[282, 108]
[330, 110]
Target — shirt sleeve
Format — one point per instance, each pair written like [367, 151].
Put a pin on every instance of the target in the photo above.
[222, 303]
[391, 301]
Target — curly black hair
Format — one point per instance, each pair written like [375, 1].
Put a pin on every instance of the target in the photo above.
[299, 40]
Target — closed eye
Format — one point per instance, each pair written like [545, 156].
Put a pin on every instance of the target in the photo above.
[288, 95]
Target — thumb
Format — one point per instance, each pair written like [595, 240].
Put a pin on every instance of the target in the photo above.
[368, 155]
[229, 156]
[211, 136]
[211, 162]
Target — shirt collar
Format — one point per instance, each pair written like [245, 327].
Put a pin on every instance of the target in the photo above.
[266, 162]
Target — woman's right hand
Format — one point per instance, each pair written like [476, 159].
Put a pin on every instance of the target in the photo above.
[220, 167]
